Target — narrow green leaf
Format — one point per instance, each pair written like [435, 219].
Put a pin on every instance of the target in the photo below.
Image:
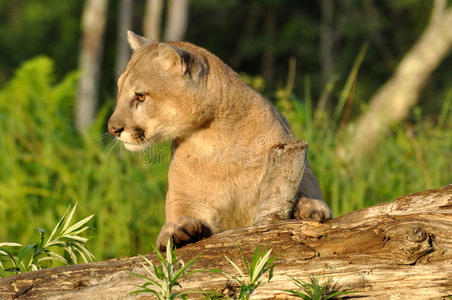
[42, 233]
[79, 224]
[254, 261]
[245, 261]
[338, 293]
[184, 268]
[9, 244]
[159, 254]
[298, 294]
[5, 252]
[76, 238]
[261, 262]
[24, 252]
[146, 291]
[349, 83]
[235, 266]
[157, 274]
[68, 250]
[146, 278]
[55, 243]
[90, 256]
[169, 253]
[69, 218]
[80, 252]
[77, 232]
[13, 269]
[57, 226]
[11, 257]
[270, 275]
[58, 257]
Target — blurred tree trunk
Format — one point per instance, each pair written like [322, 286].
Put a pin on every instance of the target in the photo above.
[268, 56]
[249, 30]
[392, 102]
[152, 24]
[93, 24]
[326, 40]
[125, 23]
[177, 20]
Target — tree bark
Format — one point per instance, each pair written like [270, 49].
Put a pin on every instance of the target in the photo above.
[125, 23]
[394, 250]
[177, 20]
[93, 24]
[152, 24]
[393, 100]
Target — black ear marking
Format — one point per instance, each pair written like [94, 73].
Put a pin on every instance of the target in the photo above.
[181, 61]
[194, 67]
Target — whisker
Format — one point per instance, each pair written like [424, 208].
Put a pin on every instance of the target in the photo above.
[111, 146]
[102, 137]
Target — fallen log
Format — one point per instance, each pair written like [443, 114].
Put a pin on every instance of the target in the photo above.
[395, 250]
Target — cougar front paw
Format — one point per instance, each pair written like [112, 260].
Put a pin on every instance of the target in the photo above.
[185, 230]
[311, 209]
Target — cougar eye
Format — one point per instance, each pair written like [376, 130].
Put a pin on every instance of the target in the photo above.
[140, 97]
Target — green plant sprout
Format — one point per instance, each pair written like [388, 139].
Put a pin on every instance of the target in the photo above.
[165, 277]
[314, 290]
[260, 264]
[65, 236]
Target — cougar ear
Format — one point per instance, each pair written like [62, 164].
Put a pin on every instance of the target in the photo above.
[137, 41]
[179, 61]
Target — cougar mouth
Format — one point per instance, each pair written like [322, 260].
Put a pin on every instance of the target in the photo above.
[135, 146]
[135, 140]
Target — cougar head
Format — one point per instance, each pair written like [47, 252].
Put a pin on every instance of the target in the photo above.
[161, 94]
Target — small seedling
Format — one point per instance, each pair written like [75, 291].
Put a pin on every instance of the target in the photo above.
[14, 260]
[162, 279]
[260, 264]
[314, 290]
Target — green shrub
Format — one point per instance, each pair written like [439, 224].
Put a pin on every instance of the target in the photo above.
[64, 245]
[46, 164]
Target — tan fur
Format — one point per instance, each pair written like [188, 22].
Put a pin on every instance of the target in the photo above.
[222, 132]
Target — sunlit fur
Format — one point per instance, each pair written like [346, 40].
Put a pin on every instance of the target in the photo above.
[221, 128]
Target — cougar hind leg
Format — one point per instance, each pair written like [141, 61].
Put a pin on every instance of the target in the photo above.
[311, 209]
[309, 204]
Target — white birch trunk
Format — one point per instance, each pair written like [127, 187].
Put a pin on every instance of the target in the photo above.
[152, 24]
[392, 102]
[93, 24]
[124, 24]
[177, 20]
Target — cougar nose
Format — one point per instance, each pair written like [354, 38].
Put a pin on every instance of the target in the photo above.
[116, 131]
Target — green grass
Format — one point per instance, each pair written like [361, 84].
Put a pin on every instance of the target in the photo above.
[162, 280]
[316, 289]
[46, 164]
[253, 275]
[64, 245]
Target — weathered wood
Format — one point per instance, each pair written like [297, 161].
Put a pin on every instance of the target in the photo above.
[395, 250]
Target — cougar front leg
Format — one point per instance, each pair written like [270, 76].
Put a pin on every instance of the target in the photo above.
[183, 224]
[284, 170]
[183, 231]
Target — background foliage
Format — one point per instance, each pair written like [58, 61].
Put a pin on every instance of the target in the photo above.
[47, 164]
